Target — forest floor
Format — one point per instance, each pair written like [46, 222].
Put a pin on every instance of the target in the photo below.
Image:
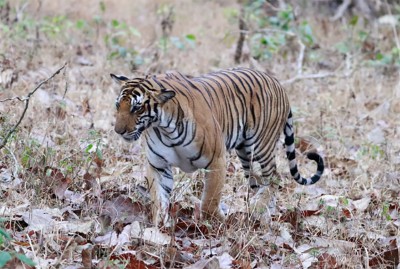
[73, 193]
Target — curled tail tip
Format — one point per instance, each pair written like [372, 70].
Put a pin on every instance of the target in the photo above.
[320, 169]
[319, 160]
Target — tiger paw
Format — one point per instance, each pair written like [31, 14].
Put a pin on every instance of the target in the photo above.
[213, 215]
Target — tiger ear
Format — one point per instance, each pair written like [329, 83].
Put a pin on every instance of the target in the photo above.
[119, 79]
[164, 96]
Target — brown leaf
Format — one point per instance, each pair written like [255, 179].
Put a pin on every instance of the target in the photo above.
[241, 219]
[86, 106]
[190, 229]
[347, 213]
[55, 179]
[371, 105]
[99, 165]
[60, 112]
[305, 146]
[99, 162]
[172, 256]
[341, 167]
[123, 209]
[390, 256]
[289, 216]
[326, 260]
[242, 264]
[87, 258]
[308, 213]
[15, 263]
[90, 183]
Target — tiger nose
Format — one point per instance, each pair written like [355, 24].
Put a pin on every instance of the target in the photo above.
[120, 129]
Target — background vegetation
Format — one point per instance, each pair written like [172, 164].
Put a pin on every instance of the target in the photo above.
[73, 194]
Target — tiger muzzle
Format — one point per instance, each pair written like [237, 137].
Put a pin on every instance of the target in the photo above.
[119, 129]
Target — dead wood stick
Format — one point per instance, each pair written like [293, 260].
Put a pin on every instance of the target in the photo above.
[316, 76]
[26, 100]
[309, 76]
[242, 37]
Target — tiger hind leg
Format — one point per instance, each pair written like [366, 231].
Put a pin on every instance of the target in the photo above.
[258, 171]
[261, 179]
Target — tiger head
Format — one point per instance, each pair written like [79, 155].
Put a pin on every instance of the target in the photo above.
[138, 106]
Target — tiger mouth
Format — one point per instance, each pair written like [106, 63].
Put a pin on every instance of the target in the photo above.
[132, 136]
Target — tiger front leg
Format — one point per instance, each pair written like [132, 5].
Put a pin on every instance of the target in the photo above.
[160, 184]
[214, 182]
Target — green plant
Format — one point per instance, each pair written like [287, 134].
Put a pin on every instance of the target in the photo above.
[386, 211]
[391, 58]
[344, 201]
[20, 29]
[357, 40]
[5, 254]
[118, 40]
[93, 146]
[55, 26]
[354, 39]
[273, 33]
[371, 150]
[30, 153]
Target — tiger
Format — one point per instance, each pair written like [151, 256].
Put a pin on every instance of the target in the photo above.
[193, 122]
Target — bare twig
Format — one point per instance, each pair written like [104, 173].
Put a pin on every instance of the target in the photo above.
[396, 37]
[17, 166]
[309, 76]
[66, 82]
[341, 10]
[26, 100]
[242, 36]
[13, 98]
[346, 74]
[266, 30]
[300, 59]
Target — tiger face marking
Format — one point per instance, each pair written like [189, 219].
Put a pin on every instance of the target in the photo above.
[137, 108]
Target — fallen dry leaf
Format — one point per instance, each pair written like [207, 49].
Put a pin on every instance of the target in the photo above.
[305, 145]
[132, 261]
[389, 257]
[362, 204]
[87, 258]
[190, 229]
[341, 167]
[212, 263]
[113, 238]
[155, 236]
[42, 219]
[326, 260]
[123, 209]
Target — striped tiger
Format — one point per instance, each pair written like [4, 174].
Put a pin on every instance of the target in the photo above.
[191, 123]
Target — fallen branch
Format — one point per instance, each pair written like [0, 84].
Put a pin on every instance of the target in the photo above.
[317, 76]
[309, 76]
[26, 100]
[300, 76]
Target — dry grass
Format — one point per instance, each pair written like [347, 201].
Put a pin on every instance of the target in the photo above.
[353, 119]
